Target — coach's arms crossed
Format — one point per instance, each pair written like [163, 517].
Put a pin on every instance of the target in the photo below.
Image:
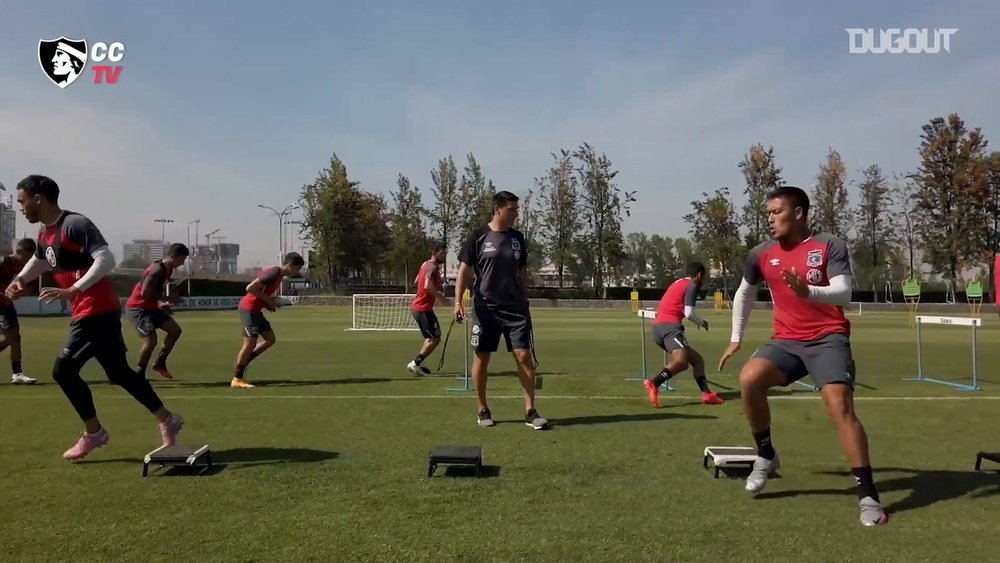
[837, 293]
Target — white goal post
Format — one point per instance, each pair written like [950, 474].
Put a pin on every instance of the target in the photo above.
[382, 311]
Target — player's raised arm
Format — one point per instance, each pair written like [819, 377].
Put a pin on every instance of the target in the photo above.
[838, 272]
[690, 305]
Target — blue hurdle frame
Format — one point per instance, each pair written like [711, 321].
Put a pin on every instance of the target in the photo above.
[645, 371]
[467, 377]
[975, 323]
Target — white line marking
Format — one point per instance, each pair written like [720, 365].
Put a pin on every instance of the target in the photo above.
[467, 396]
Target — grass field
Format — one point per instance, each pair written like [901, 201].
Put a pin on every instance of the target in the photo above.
[327, 459]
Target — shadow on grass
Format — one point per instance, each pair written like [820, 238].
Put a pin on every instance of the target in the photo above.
[486, 472]
[236, 458]
[615, 418]
[926, 486]
[179, 384]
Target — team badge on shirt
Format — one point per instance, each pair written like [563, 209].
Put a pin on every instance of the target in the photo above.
[516, 245]
[814, 259]
[814, 276]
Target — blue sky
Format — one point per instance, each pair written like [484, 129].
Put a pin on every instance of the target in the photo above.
[224, 105]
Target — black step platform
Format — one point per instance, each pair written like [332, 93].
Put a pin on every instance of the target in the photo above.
[455, 455]
[991, 456]
[191, 456]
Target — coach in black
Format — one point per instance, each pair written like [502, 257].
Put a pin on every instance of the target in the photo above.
[497, 255]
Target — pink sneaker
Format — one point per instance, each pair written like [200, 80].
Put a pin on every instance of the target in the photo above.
[170, 427]
[87, 443]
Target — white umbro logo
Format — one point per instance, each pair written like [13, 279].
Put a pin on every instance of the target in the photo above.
[775, 261]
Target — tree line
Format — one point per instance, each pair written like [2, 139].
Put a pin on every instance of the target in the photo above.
[946, 213]
[571, 217]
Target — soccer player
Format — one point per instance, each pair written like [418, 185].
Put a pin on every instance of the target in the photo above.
[72, 247]
[809, 275]
[497, 255]
[678, 303]
[10, 327]
[255, 324]
[429, 286]
[149, 309]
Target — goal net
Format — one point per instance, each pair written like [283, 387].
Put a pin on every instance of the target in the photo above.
[373, 311]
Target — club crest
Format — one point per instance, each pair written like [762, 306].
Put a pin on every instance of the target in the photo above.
[814, 259]
[62, 59]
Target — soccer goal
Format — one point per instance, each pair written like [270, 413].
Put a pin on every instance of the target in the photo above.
[945, 352]
[382, 311]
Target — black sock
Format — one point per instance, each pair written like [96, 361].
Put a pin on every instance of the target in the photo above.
[866, 484]
[162, 358]
[15, 366]
[764, 447]
[702, 384]
[253, 354]
[239, 370]
[662, 377]
[419, 358]
[141, 370]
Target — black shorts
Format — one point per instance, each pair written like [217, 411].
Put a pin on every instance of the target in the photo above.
[146, 321]
[492, 323]
[95, 336]
[670, 336]
[827, 359]
[427, 321]
[8, 318]
[254, 324]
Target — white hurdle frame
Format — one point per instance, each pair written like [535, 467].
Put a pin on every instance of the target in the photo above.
[975, 323]
[354, 312]
[644, 314]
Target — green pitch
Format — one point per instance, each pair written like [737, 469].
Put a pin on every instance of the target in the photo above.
[327, 459]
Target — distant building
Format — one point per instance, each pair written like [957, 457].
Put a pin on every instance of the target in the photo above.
[218, 258]
[8, 227]
[146, 250]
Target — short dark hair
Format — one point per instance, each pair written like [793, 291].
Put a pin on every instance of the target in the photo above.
[695, 268]
[795, 195]
[40, 185]
[439, 247]
[503, 199]
[294, 259]
[178, 249]
[27, 244]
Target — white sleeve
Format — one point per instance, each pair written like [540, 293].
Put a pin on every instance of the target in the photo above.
[104, 262]
[692, 314]
[743, 301]
[34, 268]
[837, 293]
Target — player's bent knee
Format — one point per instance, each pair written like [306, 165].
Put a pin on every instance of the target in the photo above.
[759, 373]
[65, 368]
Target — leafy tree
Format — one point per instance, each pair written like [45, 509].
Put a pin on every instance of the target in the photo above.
[829, 209]
[559, 202]
[762, 175]
[716, 230]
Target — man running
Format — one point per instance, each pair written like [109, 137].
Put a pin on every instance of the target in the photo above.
[10, 327]
[429, 291]
[149, 309]
[72, 247]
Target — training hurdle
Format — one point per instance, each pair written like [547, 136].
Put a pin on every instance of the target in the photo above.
[466, 377]
[644, 314]
[975, 323]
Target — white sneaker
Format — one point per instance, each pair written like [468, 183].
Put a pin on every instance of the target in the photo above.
[417, 369]
[21, 379]
[762, 469]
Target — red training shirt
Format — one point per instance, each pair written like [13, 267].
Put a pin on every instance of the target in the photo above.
[816, 259]
[271, 278]
[156, 276]
[429, 272]
[681, 293]
[68, 246]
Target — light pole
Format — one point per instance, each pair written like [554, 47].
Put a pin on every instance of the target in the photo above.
[190, 260]
[281, 226]
[290, 238]
[163, 235]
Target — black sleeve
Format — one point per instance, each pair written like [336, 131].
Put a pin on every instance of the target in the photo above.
[156, 279]
[84, 233]
[469, 253]
[523, 261]
[691, 295]
[270, 275]
[752, 273]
